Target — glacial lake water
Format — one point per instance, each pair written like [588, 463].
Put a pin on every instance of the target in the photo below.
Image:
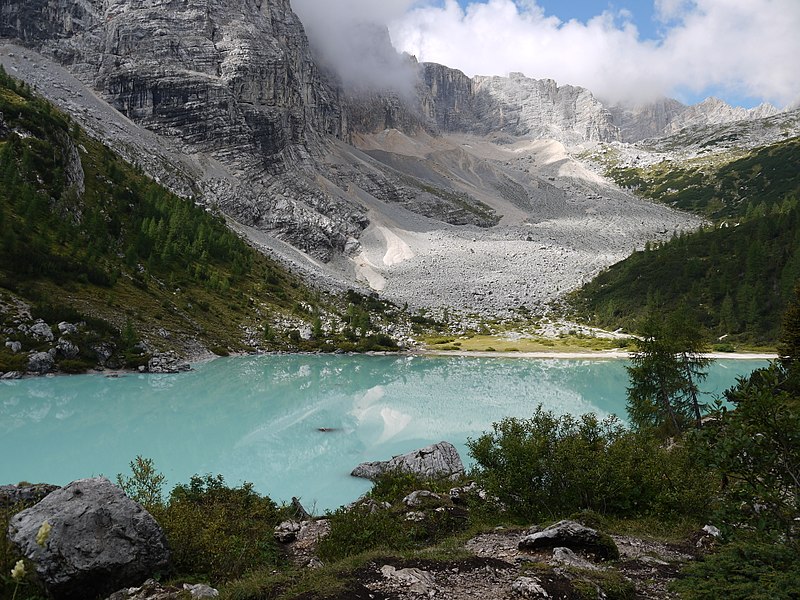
[293, 425]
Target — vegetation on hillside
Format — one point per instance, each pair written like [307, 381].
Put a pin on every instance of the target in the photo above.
[85, 237]
[736, 275]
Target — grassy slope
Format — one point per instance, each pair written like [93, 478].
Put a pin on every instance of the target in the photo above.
[736, 275]
[133, 260]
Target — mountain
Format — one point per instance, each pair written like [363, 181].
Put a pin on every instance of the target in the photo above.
[433, 189]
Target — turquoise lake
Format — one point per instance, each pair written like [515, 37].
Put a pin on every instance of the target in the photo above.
[259, 418]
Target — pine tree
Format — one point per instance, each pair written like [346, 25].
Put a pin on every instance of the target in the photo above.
[665, 374]
[789, 345]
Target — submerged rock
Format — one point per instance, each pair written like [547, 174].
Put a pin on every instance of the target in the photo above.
[99, 540]
[439, 461]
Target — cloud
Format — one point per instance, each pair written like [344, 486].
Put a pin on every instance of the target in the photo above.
[745, 48]
[350, 37]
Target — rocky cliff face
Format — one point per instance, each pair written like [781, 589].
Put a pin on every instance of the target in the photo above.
[514, 105]
[667, 116]
[232, 81]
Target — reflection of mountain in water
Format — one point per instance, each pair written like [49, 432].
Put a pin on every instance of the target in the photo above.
[259, 418]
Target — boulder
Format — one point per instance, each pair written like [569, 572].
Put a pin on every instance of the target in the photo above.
[287, 531]
[40, 362]
[423, 498]
[26, 493]
[439, 461]
[14, 346]
[100, 540]
[152, 590]
[167, 362]
[572, 535]
[66, 348]
[528, 587]
[67, 328]
[42, 331]
[11, 375]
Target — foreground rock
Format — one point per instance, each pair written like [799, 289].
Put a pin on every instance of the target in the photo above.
[152, 590]
[439, 461]
[572, 535]
[99, 541]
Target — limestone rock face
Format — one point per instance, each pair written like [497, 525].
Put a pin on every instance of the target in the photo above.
[514, 105]
[438, 461]
[667, 116]
[232, 83]
[100, 540]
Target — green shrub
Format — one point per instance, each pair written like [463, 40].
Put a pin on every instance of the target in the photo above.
[219, 532]
[749, 570]
[549, 467]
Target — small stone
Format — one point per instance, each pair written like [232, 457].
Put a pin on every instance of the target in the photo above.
[529, 588]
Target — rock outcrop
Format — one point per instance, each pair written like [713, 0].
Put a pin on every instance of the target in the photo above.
[13, 495]
[99, 540]
[572, 535]
[439, 461]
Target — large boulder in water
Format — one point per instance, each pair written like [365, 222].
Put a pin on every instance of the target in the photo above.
[100, 540]
[440, 461]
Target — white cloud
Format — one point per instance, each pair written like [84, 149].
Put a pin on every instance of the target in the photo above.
[742, 47]
[350, 36]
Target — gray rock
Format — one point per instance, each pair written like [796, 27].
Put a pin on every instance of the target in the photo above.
[103, 352]
[67, 328]
[417, 580]
[529, 588]
[167, 362]
[40, 362]
[42, 331]
[11, 375]
[14, 346]
[565, 556]
[420, 498]
[100, 539]
[287, 531]
[439, 461]
[67, 348]
[152, 590]
[201, 590]
[11, 495]
[572, 535]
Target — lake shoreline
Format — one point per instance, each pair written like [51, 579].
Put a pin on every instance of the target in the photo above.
[588, 354]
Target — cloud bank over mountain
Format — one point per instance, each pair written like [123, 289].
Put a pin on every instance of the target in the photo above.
[734, 48]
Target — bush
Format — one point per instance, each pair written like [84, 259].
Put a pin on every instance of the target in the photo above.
[549, 467]
[751, 570]
[219, 532]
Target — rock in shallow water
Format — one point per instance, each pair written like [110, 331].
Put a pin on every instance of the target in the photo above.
[100, 540]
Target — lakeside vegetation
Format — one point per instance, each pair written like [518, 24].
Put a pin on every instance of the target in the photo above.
[662, 478]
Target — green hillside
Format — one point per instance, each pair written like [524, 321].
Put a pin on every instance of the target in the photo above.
[85, 237]
[736, 275]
